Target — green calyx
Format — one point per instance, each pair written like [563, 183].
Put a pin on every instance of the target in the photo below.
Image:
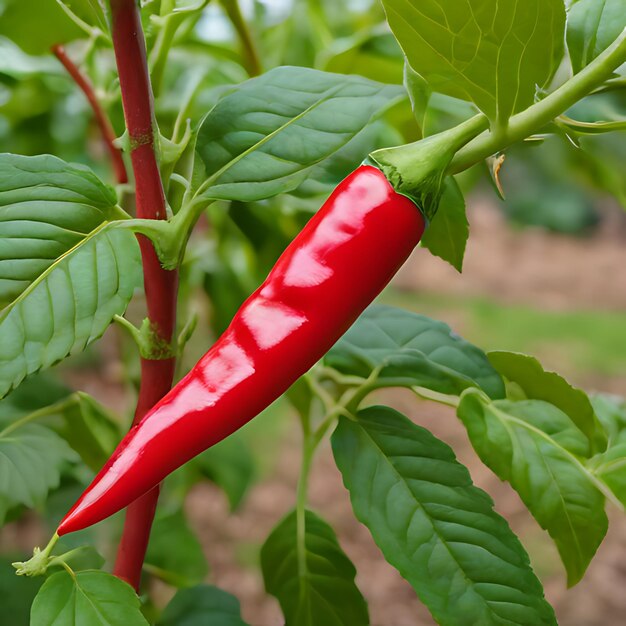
[417, 170]
[39, 562]
[147, 337]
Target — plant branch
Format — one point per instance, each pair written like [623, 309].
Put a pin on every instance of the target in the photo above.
[531, 120]
[106, 128]
[249, 52]
[160, 285]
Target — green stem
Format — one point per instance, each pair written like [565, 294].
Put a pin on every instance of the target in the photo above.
[442, 398]
[39, 413]
[250, 55]
[531, 120]
[301, 498]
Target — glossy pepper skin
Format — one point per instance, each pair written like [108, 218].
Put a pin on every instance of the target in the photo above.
[341, 260]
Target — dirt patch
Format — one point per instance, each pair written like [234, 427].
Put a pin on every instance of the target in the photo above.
[533, 267]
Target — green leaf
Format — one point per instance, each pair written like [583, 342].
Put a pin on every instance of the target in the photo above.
[64, 270]
[230, 465]
[31, 459]
[325, 176]
[610, 466]
[537, 384]
[419, 94]
[81, 557]
[89, 428]
[611, 413]
[447, 233]
[412, 351]
[47, 23]
[592, 26]
[200, 606]
[434, 525]
[263, 138]
[539, 450]
[35, 392]
[375, 55]
[492, 54]
[89, 597]
[314, 580]
[14, 62]
[47, 207]
[174, 552]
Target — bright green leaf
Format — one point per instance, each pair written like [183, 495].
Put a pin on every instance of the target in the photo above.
[88, 597]
[263, 138]
[447, 233]
[37, 25]
[611, 412]
[174, 552]
[201, 606]
[494, 54]
[419, 94]
[610, 466]
[537, 384]
[592, 26]
[412, 351]
[64, 272]
[31, 459]
[539, 450]
[313, 581]
[434, 525]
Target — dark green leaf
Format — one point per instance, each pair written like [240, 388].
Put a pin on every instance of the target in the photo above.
[413, 351]
[17, 593]
[89, 597]
[447, 233]
[433, 525]
[201, 606]
[31, 458]
[89, 429]
[230, 465]
[537, 384]
[313, 580]
[263, 138]
[64, 272]
[539, 450]
[33, 393]
[492, 54]
[593, 25]
[174, 552]
[325, 176]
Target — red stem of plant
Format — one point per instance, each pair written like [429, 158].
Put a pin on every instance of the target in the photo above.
[103, 121]
[160, 285]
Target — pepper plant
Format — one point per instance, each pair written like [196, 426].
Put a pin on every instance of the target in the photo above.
[230, 148]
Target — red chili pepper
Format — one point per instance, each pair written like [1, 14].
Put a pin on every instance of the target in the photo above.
[333, 269]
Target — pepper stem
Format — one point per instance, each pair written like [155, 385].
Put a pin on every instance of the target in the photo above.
[38, 563]
[417, 170]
